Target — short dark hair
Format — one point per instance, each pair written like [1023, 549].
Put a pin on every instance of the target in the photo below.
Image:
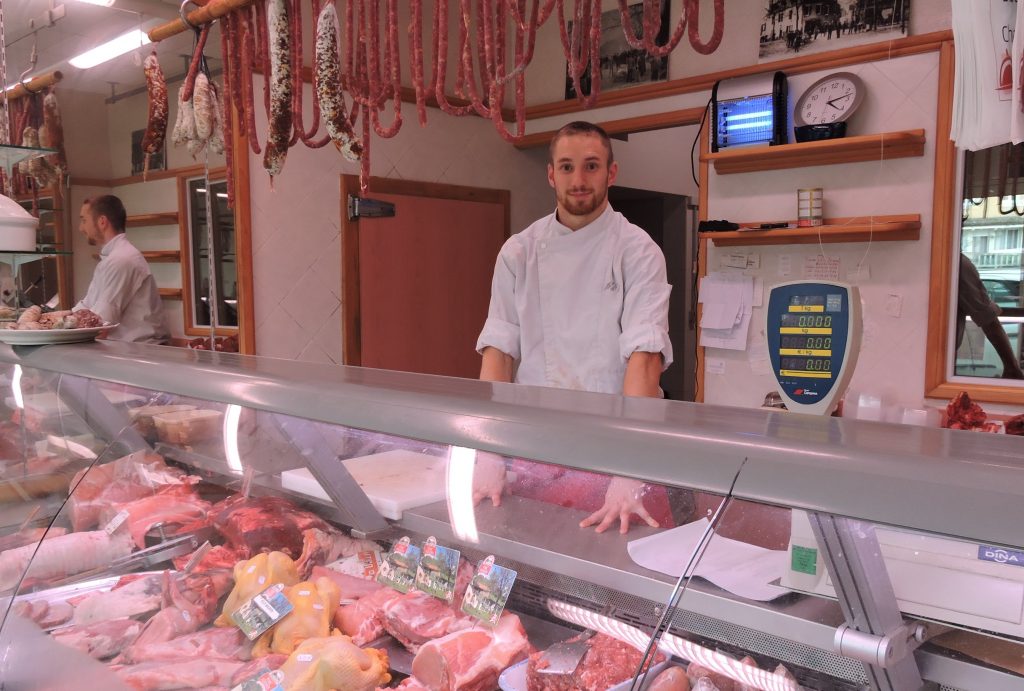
[110, 206]
[581, 127]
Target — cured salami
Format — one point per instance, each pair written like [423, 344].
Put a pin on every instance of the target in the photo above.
[280, 113]
[156, 123]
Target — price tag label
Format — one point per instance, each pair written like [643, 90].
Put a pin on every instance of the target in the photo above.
[262, 611]
[488, 591]
[265, 680]
[398, 569]
[116, 522]
[437, 570]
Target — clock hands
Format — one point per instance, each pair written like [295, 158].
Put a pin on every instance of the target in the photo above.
[838, 98]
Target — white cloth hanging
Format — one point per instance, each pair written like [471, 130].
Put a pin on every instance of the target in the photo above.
[1017, 103]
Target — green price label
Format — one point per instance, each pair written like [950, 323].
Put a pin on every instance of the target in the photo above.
[804, 560]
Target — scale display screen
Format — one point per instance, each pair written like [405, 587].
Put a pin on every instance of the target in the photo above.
[813, 332]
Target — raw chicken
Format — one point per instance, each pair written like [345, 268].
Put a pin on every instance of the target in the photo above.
[191, 673]
[62, 556]
[141, 596]
[314, 603]
[334, 662]
[415, 618]
[223, 644]
[253, 577]
[364, 620]
[471, 660]
[130, 477]
[172, 506]
[101, 640]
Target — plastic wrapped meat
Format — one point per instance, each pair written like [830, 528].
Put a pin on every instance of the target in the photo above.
[323, 664]
[63, 556]
[253, 577]
[471, 660]
[314, 603]
[131, 477]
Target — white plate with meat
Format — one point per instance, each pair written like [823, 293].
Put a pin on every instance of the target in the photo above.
[49, 336]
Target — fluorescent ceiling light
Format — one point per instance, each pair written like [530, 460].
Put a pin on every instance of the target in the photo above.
[101, 3]
[110, 50]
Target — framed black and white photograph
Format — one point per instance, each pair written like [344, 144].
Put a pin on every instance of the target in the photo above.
[157, 161]
[792, 27]
[622, 65]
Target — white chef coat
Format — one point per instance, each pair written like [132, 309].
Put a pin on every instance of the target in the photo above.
[570, 307]
[123, 291]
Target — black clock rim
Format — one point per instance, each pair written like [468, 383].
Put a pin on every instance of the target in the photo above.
[857, 98]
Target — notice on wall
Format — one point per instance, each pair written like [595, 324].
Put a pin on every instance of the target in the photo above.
[821, 268]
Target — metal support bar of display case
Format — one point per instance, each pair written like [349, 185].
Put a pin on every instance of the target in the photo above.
[875, 632]
[86, 400]
[333, 476]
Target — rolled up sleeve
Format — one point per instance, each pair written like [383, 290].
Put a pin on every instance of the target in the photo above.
[502, 329]
[645, 306]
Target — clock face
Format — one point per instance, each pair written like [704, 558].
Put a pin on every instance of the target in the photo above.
[830, 99]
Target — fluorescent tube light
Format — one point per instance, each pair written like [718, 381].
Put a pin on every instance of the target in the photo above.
[101, 3]
[110, 50]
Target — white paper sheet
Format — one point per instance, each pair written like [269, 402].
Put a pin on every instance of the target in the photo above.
[741, 569]
[725, 318]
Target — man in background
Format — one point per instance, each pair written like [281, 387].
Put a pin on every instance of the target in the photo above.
[974, 301]
[122, 290]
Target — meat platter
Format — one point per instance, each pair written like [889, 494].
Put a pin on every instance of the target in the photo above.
[514, 678]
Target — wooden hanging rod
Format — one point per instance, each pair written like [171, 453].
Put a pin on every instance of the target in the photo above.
[35, 85]
[204, 15]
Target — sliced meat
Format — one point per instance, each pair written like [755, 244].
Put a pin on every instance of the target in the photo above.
[471, 660]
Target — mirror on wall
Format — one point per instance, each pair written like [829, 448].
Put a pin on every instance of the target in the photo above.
[989, 335]
[197, 282]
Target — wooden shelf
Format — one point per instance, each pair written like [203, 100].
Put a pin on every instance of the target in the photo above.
[868, 147]
[170, 293]
[156, 256]
[168, 218]
[855, 229]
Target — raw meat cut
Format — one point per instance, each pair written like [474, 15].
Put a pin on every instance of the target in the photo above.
[607, 662]
[256, 665]
[471, 660]
[364, 620]
[172, 506]
[314, 603]
[29, 536]
[699, 674]
[963, 413]
[324, 546]
[222, 644]
[45, 614]
[252, 525]
[141, 596]
[334, 662]
[189, 604]
[1015, 425]
[415, 618]
[672, 679]
[62, 556]
[351, 587]
[100, 640]
[253, 577]
[220, 557]
[130, 477]
[182, 674]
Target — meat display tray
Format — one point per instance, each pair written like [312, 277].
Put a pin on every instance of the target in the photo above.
[514, 678]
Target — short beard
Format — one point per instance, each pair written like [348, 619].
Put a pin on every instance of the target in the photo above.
[583, 207]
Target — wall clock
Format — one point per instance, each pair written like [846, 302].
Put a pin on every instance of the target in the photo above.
[822, 110]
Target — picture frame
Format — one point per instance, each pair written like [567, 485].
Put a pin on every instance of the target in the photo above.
[623, 66]
[793, 27]
[157, 161]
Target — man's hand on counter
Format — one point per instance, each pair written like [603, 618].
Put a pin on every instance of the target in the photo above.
[488, 478]
[623, 499]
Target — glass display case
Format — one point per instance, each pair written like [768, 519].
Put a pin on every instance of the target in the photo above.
[187, 519]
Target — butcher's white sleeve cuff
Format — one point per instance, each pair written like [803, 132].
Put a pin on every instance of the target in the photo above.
[646, 339]
[499, 334]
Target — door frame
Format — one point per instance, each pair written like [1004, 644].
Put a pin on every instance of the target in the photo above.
[351, 322]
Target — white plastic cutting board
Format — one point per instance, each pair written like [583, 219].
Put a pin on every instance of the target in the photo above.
[393, 480]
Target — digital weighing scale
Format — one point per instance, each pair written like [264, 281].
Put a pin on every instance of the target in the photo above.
[813, 331]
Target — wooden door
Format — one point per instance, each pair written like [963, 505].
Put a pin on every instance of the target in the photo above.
[416, 286]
